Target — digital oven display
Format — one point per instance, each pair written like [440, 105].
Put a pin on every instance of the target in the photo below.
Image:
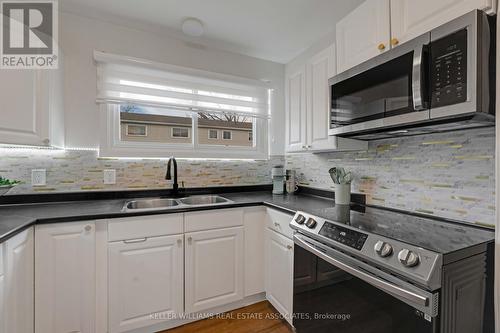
[344, 236]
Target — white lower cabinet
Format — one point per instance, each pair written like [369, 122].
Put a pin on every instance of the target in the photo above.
[279, 273]
[214, 268]
[145, 281]
[2, 289]
[65, 277]
[19, 278]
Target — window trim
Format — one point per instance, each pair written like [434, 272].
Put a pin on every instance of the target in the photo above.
[137, 135]
[230, 134]
[216, 131]
[180, 137]
[111, 144]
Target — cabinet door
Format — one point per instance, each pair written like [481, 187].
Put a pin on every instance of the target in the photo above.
[65, 277]
[296, 111]
[32, 107]
[19, 281]
[145, 278]
[410, 18]
[319, 69]
[255, 226]
[363, 34]
[214, 268]
[279, 273]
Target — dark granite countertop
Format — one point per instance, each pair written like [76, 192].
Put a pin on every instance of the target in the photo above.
[440, 236]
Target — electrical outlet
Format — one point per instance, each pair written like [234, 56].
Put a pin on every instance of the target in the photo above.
[109, 177]
[38, 177]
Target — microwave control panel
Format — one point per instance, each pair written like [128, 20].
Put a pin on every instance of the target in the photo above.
[448, 70]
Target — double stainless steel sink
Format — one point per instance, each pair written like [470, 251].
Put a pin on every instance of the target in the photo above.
[163, 204]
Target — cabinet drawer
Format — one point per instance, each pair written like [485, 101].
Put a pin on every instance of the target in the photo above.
[279, 222]
[144, 226]
[213, 219]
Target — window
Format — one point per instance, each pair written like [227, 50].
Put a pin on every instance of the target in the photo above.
[213, 134]
[179, 111]
[136, 130]
[180, 132]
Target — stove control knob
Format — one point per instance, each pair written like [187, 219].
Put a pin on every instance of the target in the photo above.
[300, 219]
[383, 249]
[311, 223]
[408, 258]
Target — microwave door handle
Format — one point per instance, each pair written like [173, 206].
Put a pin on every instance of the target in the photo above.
[374, 281]
[418, 103]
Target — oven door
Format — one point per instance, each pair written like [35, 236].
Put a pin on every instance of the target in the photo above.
[334, 292]
[385, 91]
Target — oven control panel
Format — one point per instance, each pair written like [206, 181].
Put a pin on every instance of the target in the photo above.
[343, 235]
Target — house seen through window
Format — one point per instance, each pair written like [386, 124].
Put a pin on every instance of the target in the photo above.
[152, 112]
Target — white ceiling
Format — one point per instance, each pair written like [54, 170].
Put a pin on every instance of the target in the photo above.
[276, 30]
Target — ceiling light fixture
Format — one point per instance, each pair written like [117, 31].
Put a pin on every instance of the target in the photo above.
[193, 27]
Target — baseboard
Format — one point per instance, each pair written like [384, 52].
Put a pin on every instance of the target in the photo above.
[202, 314]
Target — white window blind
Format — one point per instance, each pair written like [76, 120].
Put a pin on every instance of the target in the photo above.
[121, 83]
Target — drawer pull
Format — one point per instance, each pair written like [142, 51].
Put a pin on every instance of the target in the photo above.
[137, 240]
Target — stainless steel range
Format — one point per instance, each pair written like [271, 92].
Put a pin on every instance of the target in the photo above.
[374, 270]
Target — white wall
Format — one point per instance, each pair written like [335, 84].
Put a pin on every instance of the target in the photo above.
[80, 36]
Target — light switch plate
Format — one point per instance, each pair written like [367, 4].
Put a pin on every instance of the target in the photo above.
[38, 177]
[109, 177]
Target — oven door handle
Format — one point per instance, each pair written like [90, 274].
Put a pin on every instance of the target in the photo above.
[417, 90]
[374, 281]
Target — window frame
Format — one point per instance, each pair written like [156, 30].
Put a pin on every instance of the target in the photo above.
[180, 137]
[111, 144]
[145, 135]
[216, 132]
[230, 135]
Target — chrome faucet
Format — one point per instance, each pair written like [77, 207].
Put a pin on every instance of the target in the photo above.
[168, 176]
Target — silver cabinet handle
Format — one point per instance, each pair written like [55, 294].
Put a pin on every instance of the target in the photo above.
[276, 224]
[88, 228]
[137, 240]
[289, 247]
[374, 281]
[179, 241]
[190, 239]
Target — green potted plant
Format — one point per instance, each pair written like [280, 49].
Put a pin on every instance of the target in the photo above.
[342, 180]
[6, 184]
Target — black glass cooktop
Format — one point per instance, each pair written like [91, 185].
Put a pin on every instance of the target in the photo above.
[432, 234]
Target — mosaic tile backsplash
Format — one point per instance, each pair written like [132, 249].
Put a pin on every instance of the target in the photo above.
[70, 171]
[448, 174]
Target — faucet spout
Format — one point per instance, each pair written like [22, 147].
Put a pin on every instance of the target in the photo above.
[168, 176]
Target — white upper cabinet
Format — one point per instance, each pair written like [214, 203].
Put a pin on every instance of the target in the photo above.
[31, 104]
[19, 283]
[319, 69]
[379, 25]
[214, 268]
[65, 277]
[295, 86]
[146, 278]
[410, 18]
[363, 34]
[308, 107]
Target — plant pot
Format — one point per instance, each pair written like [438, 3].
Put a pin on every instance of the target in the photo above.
[342, 194]
[5, 188]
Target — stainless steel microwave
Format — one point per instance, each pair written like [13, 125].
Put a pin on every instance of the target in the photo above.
[442, 80]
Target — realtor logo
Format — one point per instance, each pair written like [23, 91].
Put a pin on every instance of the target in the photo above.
[29, 34]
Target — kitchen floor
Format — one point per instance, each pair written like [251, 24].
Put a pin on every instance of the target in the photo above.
[256, 318]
